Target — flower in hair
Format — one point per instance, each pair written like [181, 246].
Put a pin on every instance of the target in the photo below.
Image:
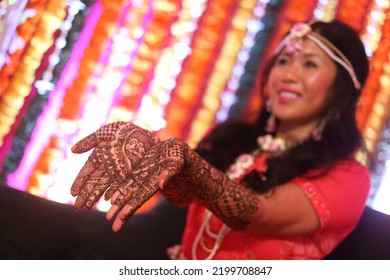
[294, 40]
[299, 30]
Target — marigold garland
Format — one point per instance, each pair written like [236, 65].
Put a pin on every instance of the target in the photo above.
[24, 76]
[380, 109]
[248, 97]
[353, 12]
[10, 14]
[25, 31]
[224, 66]
[372, 84]
[372, 32]
[196, 69]
[150, 113]
[134, 26]
[29, 146]
[150, 49]
[326, 11]
[64, 77]
[102, 32]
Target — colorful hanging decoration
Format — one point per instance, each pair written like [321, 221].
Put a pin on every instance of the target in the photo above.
[229, 67]
[156, 96]
[379, 49]
[190, 85]
[380, 109]
[325, 10]
[87, 64]
[26, 27]
[131, 36]
[69, 122]
[353, 12]
[10, 13]
[13, 99]
[36, 119]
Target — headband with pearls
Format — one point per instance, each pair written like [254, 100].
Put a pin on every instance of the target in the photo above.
[293, 43]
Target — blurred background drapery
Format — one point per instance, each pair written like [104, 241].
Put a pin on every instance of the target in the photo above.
[174, 66]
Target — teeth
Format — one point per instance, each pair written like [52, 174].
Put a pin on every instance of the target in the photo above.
[288, 94]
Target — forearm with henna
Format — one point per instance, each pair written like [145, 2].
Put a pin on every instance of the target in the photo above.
[232, 203]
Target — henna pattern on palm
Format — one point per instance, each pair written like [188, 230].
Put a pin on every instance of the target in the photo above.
[163, 158]
[118, 148]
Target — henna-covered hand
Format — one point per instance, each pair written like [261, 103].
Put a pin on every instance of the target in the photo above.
[118, 148]
[164, 161]
[177, 190]
[171, 161]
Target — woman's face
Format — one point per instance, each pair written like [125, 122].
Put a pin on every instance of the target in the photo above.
[300, 87]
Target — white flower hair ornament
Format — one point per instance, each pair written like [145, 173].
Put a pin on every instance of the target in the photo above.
[293, 44]
[294, 40]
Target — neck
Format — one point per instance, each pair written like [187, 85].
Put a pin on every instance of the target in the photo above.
[294, 133]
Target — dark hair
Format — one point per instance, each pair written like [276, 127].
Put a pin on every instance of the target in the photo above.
[340, 139]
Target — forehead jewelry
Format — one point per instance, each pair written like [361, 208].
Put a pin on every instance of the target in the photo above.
[293, 44]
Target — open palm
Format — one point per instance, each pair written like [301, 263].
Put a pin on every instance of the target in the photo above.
[118, 148]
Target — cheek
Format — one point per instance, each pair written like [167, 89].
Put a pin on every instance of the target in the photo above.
[272, 78]
[319, 86]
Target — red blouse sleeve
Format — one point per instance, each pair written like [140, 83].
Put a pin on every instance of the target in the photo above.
[339, 196]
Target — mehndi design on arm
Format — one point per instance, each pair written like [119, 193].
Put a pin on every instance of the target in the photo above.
[234, 204]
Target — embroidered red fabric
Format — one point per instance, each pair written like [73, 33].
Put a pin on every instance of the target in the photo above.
[338, 197]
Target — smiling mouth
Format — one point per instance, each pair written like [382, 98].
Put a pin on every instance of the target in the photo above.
[287, 96]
